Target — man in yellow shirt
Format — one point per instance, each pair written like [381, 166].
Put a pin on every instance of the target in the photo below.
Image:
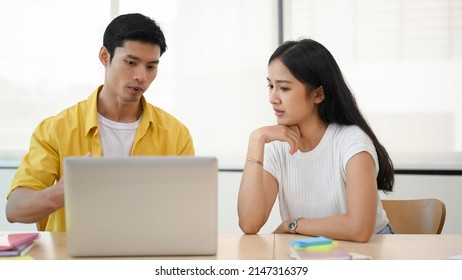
[115, 120]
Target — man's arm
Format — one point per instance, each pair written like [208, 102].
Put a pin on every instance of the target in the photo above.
[26, 205]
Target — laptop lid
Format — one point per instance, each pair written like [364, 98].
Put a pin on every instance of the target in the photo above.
[140, 206]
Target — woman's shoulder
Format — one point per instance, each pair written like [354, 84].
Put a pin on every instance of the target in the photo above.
[341, 131]
[345, 136]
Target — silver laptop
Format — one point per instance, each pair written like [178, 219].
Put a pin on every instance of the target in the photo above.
[141, 206]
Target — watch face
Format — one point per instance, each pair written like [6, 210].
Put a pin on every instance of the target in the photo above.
[292, 225]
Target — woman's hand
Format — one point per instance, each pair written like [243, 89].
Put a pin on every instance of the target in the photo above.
[289, 134]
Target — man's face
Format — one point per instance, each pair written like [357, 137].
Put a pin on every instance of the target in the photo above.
[132, 69]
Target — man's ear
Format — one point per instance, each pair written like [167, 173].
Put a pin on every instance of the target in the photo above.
[104, 56]
[318, 94]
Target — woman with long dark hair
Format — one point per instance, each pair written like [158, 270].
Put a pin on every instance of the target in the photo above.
[322, 159]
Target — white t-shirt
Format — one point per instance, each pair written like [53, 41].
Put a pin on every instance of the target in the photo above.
[313, 184]
[116, 138]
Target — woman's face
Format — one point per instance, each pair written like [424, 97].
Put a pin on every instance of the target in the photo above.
[292, 104]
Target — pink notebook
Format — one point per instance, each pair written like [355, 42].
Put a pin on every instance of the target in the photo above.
[12, 241]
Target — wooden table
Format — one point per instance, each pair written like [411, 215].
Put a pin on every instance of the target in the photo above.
[390, 246]
[53, 246]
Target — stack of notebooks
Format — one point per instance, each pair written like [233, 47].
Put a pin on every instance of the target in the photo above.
[320, 248]
[16, 244]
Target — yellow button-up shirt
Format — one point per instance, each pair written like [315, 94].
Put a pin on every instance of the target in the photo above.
[75, 132]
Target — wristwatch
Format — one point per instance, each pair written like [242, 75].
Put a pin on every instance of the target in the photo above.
[293, 225]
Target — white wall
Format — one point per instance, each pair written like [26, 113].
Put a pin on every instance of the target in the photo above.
[446, 188]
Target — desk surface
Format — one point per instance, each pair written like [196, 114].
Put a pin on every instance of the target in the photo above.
[391, 246]
[53, 246]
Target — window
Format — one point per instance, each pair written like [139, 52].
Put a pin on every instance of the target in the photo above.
[212, 76]
[402, 58]
[49, 55]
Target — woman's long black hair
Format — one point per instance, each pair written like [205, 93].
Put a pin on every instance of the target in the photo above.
[311, 63]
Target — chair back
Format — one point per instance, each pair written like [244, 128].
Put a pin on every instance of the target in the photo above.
[416, 216]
